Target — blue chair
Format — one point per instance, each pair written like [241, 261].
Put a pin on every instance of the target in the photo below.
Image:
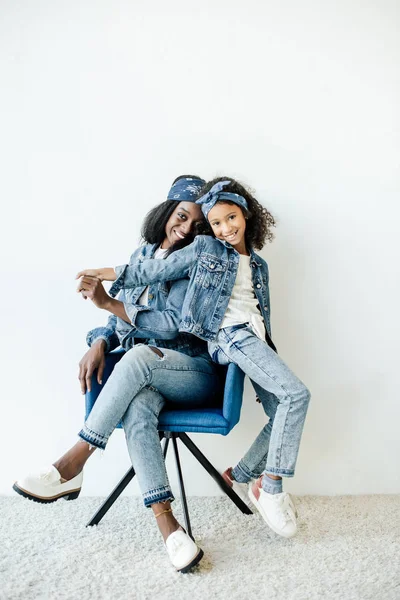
[174, 424]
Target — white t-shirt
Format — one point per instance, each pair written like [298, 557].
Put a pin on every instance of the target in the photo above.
[243, 304]
[143, 300]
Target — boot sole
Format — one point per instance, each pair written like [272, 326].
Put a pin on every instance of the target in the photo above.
[71, 495]
[193, 562]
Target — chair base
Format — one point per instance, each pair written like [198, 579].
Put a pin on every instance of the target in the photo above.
[191, 446]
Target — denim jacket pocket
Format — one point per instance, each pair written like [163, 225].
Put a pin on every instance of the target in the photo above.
[210, 271]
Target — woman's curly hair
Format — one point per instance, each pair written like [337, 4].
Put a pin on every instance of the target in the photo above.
[259, 220]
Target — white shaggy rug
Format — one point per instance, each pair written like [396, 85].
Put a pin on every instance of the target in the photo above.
[346, 548]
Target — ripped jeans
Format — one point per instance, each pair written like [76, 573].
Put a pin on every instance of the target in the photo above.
[136, 391]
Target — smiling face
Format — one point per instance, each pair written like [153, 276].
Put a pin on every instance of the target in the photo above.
[229, 224]
[181, 222]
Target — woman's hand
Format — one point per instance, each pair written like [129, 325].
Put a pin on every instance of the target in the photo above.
[93, 359]
[105, 274]
[92, 288]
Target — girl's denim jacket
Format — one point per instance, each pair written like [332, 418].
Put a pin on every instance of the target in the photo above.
[157, 323]
[212, 266]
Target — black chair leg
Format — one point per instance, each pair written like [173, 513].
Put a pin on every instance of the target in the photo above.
[182, 486]
[107, 504]
[165, 449]
[214, 473]
[117, 491]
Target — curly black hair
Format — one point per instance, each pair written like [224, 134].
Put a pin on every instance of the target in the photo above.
[153, 228]
[259, 220]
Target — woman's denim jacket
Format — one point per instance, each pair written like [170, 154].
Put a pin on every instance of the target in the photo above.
[157, 323]
[211, 265]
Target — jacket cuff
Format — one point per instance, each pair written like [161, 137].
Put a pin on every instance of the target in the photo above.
[132, 311]
[119, 282]
[90, 340]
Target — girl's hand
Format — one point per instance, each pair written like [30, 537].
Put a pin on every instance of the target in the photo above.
[105, 274]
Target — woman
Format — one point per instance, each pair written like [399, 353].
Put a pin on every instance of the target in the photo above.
[159, 364]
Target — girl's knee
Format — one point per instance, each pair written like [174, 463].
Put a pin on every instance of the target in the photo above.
[306, 395]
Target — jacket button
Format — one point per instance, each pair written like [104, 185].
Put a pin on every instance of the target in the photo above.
[212, 266]
[151, 296]
[265, 307]
[258, 285]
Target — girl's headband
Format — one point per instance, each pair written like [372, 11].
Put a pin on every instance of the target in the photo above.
[185, 189]
[216, 193]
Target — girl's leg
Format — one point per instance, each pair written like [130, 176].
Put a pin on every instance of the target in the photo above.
[266, 368]
[252, 465]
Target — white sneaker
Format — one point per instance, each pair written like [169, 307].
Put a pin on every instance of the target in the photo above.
[277, 510]
[47, 486]
[241, 489]
[182, 551]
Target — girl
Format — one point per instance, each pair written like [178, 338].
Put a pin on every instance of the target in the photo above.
[149, 315]
[227, 304]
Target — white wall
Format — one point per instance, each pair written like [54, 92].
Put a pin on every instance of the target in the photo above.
[103, 104]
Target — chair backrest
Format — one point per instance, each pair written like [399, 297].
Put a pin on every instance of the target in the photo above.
[233, 394]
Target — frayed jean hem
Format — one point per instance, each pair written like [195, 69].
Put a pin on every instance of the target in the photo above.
[241, 474]
[163, 494]
[93, 438]
[279, 472]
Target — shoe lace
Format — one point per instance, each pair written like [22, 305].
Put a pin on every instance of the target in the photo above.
[285, 510]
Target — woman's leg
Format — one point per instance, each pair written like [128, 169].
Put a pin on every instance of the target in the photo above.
[178, 377]
[141, 431]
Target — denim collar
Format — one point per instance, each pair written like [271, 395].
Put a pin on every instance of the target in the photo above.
[152, 250]
[148, 250]
[253, 256]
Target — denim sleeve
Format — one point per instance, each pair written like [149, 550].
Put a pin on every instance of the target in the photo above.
[176, 266]
[267, 294]
[159, 324]
[106, 333]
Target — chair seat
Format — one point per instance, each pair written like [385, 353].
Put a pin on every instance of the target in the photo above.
[220, 419]
[205, 420]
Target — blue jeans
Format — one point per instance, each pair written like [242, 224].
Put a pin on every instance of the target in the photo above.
[136, 391]
[283, 396]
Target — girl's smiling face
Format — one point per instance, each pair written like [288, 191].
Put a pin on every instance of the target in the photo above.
[229, 224]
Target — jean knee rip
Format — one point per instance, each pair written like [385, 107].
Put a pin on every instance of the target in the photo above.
[152, 388]
[158, 352]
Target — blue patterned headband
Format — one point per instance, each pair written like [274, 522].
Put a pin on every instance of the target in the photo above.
[186, 189]
[217, 193]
